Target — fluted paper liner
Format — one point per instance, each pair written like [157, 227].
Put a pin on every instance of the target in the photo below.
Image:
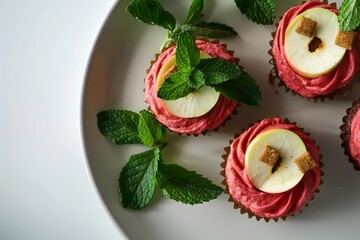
[243, 209]
[346, 130]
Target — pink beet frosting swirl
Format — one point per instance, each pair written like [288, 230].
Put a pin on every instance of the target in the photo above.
[262, 204]
[211, 120]
[325, 84]
[354, 140]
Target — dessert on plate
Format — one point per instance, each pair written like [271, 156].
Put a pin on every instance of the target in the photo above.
[272, 169]
[204, 109]
[312, 57]
[350, 134]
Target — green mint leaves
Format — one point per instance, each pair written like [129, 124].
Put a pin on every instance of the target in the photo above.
[210, 30]
[119, 126]
[126, 127]
[151, 12]
[150, 131]
[195, 10]
[137, 179]
[349, 15]
[145, 171]
[258, 11]
[193, 73]
[185, 186]
[187, 54]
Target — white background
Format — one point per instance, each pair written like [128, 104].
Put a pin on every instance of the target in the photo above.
[45, 190]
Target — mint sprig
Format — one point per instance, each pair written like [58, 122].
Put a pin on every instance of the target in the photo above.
[193, 73]
[349, 15]
[151, 12]
[258, 11]
[185, 186]
[145, 171]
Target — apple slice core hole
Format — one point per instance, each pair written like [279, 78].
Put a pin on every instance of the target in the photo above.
[277, 165]
[315, 44]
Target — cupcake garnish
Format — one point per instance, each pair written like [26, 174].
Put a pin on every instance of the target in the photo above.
[194, 73]
[310, 43]
[276, 160]
[317, 39]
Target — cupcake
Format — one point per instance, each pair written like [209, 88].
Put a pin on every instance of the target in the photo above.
[311, 56]
[272, 169]
[202, 110]
[350, 134]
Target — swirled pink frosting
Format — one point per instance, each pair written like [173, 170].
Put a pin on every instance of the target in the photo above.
[211, 120]
[354, 140]
[325, 84]
[264, 204]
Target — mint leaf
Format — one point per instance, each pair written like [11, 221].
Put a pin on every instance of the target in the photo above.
[349, 15]
[137, 179]
[187, 54]
[194, 13]
[175, 86]
[185, 186]
[197, 79]
[218, 70]
[211, 30]
[151, 12]
[151, 132]
[119, 126]
[258, 11]
[242, 90]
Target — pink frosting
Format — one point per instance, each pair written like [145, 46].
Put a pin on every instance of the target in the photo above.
[211, 120]
[354, 140]
[325, 84]
[264, 204]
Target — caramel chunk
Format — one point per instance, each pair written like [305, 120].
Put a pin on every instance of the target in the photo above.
[345, 39]
[270, 156]
[306, 26]
[305, 162]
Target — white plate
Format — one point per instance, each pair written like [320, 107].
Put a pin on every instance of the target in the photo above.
[114, 79]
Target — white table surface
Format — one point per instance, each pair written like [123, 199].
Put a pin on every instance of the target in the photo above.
[46, 191]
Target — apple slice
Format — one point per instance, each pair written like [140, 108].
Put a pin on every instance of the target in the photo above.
[278, 177]
[325, 56]
[195, 104]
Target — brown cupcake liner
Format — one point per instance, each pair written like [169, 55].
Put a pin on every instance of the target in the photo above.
[274, 78]
[236, 61]
[345, 132]
[242, 208]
